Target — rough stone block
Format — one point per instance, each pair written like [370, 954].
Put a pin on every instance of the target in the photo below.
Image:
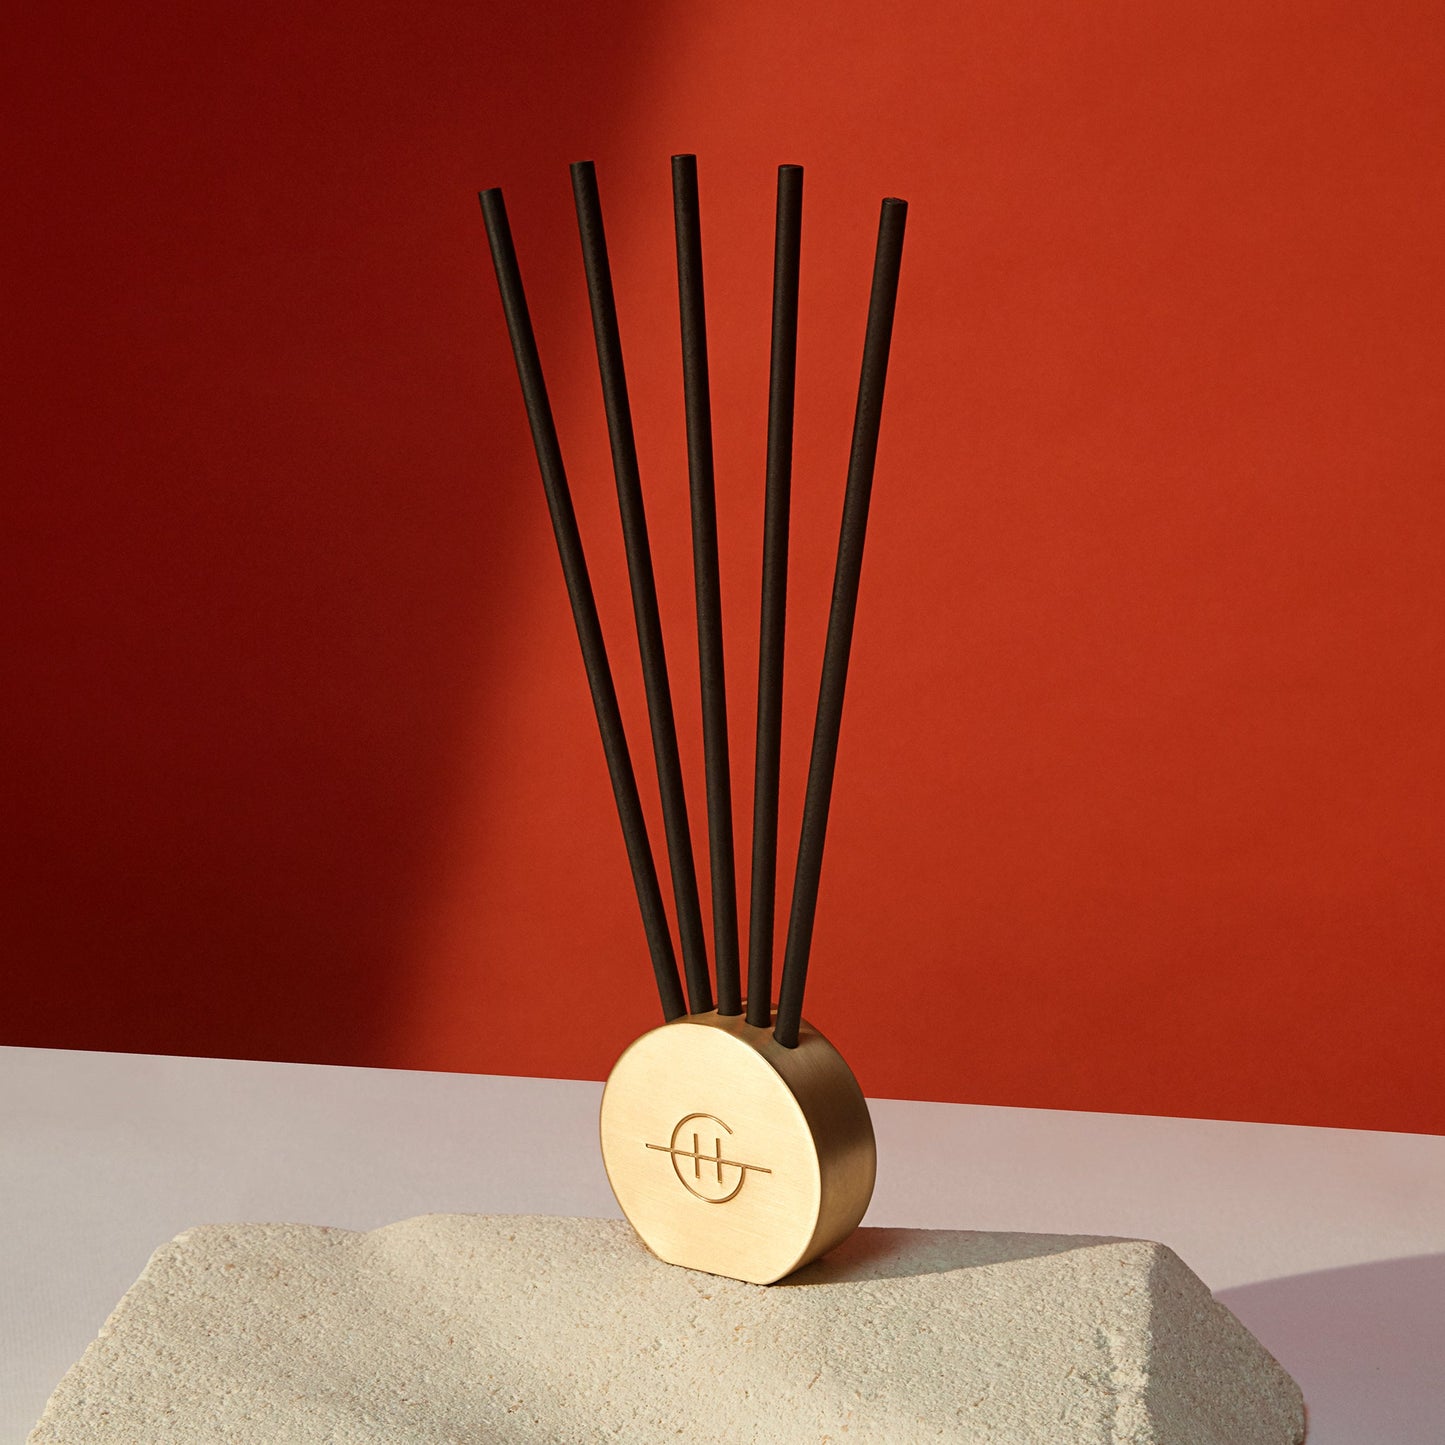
[458, 1329]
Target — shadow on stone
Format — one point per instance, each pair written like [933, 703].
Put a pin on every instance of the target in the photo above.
[900, 1253]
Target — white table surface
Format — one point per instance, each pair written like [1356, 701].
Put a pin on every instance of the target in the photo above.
[1328, 1243]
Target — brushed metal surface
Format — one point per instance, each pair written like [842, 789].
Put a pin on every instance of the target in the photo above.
[731, 1154]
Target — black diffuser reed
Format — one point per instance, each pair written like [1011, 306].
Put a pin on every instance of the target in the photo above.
[867, 416]
[767, 759]
[708, 587]
[702, 487]
[644, 588]
[584, 607]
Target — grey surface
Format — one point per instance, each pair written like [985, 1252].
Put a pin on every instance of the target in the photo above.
[1322, 1240]
[453, 1329]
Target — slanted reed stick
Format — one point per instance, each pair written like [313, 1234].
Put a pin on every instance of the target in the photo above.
[644, 587]
[862, 457]
[584, 607]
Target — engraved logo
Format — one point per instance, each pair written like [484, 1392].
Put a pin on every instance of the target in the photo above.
[708, 1183]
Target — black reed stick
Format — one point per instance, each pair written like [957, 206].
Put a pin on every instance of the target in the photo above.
[644, 587]
[706, 582]
[584, 607]
[782, 375]
[861, 461]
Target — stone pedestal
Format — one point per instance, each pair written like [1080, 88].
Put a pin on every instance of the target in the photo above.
[460, 1329]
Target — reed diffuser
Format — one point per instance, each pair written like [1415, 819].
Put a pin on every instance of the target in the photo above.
[735, 1137]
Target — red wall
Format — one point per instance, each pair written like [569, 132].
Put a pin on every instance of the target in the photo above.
[1139, 801]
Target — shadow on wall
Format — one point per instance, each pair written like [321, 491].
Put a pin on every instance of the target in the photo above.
[1366, 1344]
[266, 404]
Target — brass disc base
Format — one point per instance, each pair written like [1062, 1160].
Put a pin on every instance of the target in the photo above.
[731, 1154]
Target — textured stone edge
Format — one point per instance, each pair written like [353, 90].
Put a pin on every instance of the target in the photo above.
[1177, 1337]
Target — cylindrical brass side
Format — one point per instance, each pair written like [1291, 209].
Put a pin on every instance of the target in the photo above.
[731, 1154]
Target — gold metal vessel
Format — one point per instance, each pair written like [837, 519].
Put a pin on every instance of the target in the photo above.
[732, 1154]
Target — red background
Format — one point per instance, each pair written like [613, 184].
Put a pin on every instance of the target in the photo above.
[1139, 800]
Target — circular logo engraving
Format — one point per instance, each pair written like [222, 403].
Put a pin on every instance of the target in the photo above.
[701, 1174]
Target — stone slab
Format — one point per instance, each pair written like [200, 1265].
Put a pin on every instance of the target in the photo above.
[458, 1329]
